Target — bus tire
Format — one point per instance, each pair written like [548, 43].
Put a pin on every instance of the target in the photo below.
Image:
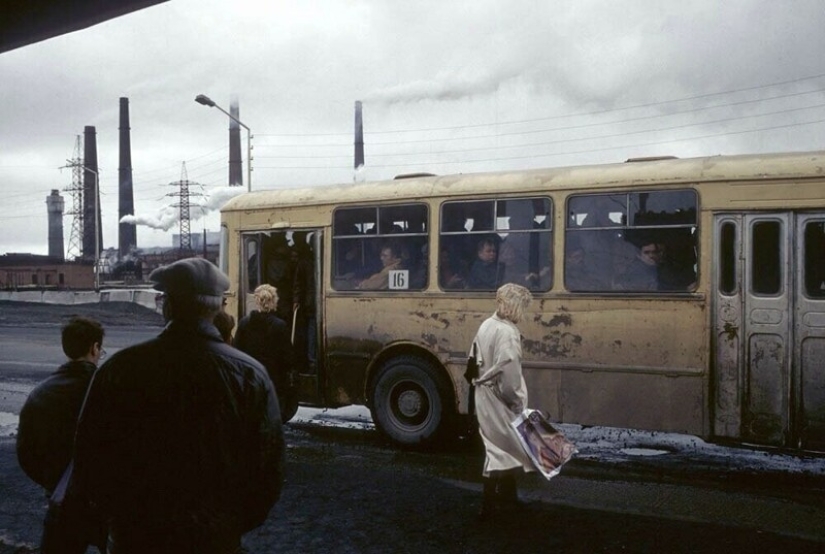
[411, 402]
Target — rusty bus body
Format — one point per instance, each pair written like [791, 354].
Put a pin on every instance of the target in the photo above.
[736, 352]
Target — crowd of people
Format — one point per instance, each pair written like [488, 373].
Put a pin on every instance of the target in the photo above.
[176, 444]
[171, 445]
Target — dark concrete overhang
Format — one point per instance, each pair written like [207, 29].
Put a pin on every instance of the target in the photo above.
[24, 22]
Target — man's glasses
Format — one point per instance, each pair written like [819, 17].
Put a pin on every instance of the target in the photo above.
[102, 353]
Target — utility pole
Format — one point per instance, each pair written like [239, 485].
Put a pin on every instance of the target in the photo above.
[74, 248]
[184, 193]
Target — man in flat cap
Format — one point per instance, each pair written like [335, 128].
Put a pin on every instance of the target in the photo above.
[179, 443]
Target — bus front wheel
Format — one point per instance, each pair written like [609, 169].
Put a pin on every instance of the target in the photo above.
[410, 403]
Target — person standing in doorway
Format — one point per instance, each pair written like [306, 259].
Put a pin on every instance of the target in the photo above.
[45, 435]
[179, 442]
[265, 337]
[500, 397]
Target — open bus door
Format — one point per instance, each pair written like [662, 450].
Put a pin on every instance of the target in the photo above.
[272, 257]
[769, 329]
[307, 316]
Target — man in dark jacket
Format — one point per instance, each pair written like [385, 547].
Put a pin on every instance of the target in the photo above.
[45, 433]
[179, 442]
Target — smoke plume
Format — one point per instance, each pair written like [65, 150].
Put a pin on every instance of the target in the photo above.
[169, 216]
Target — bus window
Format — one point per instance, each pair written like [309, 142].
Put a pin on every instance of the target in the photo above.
[631, 242]
[485, 244]
[380, 248]
[766, 268]
[814, 255]
[727, 259]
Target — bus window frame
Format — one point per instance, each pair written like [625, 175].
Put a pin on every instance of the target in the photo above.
[499, 234]
[622, 231]
[367, 238]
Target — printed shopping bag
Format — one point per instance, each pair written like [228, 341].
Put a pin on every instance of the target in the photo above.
[547, 447]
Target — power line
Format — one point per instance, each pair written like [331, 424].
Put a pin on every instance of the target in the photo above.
[588, 151]
[597, 112]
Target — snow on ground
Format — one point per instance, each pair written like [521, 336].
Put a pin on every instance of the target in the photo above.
[619, 445]
[593, 443]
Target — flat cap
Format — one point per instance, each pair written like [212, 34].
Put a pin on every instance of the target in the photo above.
[190, 276]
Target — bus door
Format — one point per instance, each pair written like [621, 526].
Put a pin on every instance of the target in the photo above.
[809, 331]
[308, 303]
[769, 330]
[273, 257]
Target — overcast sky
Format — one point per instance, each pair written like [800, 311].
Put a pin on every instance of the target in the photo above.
[447, 87]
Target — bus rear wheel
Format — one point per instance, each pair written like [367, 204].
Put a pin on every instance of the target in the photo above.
[411, 402]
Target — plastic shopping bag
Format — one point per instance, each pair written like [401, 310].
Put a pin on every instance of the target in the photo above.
[547, 447]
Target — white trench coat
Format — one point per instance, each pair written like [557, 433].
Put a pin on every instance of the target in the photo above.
[500, 394]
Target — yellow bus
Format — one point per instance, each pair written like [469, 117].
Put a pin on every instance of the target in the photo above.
[680, 295]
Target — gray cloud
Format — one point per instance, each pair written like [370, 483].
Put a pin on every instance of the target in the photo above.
[447, 87]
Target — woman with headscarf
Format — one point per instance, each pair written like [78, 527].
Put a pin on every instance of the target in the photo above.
[500, 397]
[265, 336]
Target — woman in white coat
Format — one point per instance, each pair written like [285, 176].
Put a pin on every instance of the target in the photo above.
[500, 397]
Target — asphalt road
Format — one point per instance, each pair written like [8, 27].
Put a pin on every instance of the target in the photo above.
[346, 492]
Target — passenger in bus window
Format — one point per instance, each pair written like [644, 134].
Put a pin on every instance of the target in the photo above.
[418, 269]
[485, 271]
[525, 262]
[642, 273]
[349, 264]
[514, 256]
[577, 275]
[390, 260]
[449, 275]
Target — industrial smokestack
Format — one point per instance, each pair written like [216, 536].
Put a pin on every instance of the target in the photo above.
[235, 160]
[359, 137]
[54, 205]
[91, 195]
[127, 232]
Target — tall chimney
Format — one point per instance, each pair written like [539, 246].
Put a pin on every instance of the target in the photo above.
[91, 195]
[359, 137]
[235, 160]
[54, 205]
[127, 232]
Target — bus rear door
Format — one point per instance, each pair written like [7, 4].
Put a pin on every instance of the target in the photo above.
[769, 329]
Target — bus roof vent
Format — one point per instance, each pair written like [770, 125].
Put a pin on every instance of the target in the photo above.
[651, 159]
[414, 175]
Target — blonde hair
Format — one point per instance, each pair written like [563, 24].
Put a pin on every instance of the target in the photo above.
[266, 296]
[511, 301]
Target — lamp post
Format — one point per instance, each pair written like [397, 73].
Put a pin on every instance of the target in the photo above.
[206, 101]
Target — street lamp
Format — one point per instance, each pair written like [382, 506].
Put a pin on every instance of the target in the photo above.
[206, 101]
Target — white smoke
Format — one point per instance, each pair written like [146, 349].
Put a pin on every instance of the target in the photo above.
[360, 174]
[445, 86]
[169, 216]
